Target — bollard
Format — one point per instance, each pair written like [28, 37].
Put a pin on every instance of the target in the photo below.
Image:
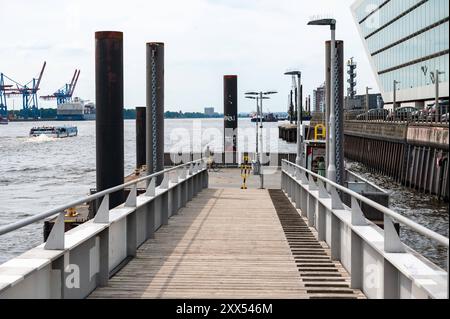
[155, 109]
[339, 107]
[141, 137]
[109, 117]
[230, 109]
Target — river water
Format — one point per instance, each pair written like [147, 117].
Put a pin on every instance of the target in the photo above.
[41, 173]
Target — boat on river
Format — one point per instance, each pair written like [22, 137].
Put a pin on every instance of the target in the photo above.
[54, 131]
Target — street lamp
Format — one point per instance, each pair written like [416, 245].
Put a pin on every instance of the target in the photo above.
[367, 102]
[299, 159]
[260, 96]
[435, 79]
[394, 98]
[257, 116]
[331, 175]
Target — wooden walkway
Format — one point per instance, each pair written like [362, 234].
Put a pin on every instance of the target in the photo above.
[226, 243]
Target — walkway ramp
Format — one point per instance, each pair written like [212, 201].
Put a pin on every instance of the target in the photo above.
[230, 244]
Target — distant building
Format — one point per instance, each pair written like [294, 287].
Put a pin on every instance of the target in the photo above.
[209, 111]
[406, 42]
[319, 99]
[359, 102]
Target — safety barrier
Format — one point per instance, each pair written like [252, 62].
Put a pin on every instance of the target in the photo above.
[73, 264]
[379, 263]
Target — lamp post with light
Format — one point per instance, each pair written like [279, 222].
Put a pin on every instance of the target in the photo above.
[300, 156]
[331, 172]
[260, 96]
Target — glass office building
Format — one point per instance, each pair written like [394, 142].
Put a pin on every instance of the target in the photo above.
[406, 41]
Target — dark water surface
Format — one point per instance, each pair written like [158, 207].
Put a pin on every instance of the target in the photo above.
[424, 209]
[37, 174]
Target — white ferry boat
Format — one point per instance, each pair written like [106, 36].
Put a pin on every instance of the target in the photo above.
[54, 131]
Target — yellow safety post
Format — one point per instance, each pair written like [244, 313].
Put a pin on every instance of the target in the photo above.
[319, 132]
[245, 172]
[71, 212]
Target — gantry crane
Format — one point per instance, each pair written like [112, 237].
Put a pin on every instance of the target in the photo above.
[28, 92]
[64, 94]
[3, 105]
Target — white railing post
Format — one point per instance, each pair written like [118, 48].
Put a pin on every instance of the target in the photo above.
[298, 188]
[55, 240]
[131, 220]
[303, 194]
[336, 204]
[322, 212]
[356, 246]
[164, 201]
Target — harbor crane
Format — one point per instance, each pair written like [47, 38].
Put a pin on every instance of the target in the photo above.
[3, 105]
[28, 92]
[64, 94]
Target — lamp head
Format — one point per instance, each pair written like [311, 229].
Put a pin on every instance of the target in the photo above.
[293, 72]
[330, 22]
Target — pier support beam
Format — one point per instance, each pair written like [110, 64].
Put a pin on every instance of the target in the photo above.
[109, 118]
[155, 109]
[141, 155]
[230, 110]
[338, 105]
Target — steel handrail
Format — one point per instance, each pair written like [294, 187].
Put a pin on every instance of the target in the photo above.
[37, 217]
[444, 241]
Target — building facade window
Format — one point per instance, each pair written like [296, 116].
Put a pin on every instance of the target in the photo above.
[406, 40]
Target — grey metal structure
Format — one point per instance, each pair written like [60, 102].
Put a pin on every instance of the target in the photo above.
[73, 264]
[351, 71]
[435, 77]
[332, 96]
[230, 110]
[378, 262]
[155, 108]
[338, 93]
[109, 119]
[300, 160]
[141, 146]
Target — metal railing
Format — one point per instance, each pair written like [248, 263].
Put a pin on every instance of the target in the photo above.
[319, 200]
[85, 200]
[420, 117]
[72, 264]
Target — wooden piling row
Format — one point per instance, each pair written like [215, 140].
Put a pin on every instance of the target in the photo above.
[422, 168]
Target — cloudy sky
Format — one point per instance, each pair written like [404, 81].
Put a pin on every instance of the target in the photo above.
[205, 39]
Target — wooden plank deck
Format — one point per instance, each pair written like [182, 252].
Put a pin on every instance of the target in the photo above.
[226, 243]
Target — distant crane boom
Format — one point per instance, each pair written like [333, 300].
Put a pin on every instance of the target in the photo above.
[64, 94]
[40, 77]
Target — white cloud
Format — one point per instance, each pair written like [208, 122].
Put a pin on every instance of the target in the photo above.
[205, 39]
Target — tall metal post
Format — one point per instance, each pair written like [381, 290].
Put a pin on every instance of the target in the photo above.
[141, 155]
[394, 97]
[109, 118]
[339, 112]
[296, 103]
[367, 102]
[257, 128]
[328, 95]
[155, 109]
[300, 152]
[230, 108]
[436, 97]
[300, 160]
[332, 136]
[261, 170]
